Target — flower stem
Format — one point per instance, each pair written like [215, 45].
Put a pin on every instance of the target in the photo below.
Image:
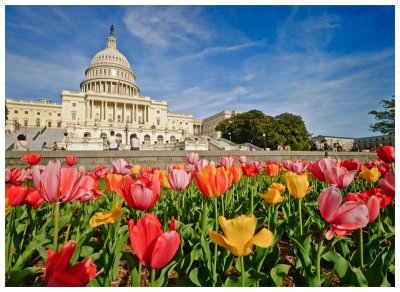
[379, 225]
[251, 200]
[56, 216]
[269, 216]
[153, 276]
[242, 271]
[178, 216]
[361, 249]
[319, 252]
[300, 217]
[215, 246]
[140, 272]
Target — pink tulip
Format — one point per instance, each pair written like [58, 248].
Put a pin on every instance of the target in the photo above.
[227, 161]
[243, 159]
[7, 175]
[387, 185]
[179, 179]
[372, 203]
[339, 176]
[192, 158]
[319, 167]
[120, 166]
[343, 218]
[296, 166]
[100, 171]
[258, 164]
[201, 164]
[17, 176]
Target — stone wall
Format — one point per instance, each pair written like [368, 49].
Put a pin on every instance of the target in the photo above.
[90, 159]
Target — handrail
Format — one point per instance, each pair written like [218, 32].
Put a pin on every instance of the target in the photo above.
[44, 129]
[37, 134]
[11, 147]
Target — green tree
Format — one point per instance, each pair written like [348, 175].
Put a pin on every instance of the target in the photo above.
[250, 127]
[386, 118]
[6, 113]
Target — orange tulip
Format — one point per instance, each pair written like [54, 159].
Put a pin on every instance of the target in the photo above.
[114, 181]
[272, 168]
[213, 181]
[236, 173]
[163, 178]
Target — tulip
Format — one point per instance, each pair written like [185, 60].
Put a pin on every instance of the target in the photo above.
[178, 179]
[120, 166]
[319, 167]
[7, 175]
[227, 161]
[57, 273]
[100, 171]
[32, 158]
[272, 168]
[298, 185]
[296, 166]
[192, 158]
[142, 194]
[33, 198]
[370, 175]
[136, 169]
[372, 203]
[212, 181]
[382, 166]
[16, 194]
[7, 204]
[339, 176]
[352, 164]
[273, 196]
[258, 164]
[16, 176]
[145, 170]
[71, 160]
[114, 182]
[163, 178]
[343, 218]
[202, 163]
[242, 159]
[387, 188]
[91, 184]
[236, 172]
[153, 247]
[386, 153]
[106, 217]
[250, 170]
[239, 236]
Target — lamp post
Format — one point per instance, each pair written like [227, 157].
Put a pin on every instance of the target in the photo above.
[195, 143]
[153, 129]
[208, 143]
[230, 137]
[265, 146]
[126, 133]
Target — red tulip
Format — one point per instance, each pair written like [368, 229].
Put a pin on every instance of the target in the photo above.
[351, 164]
[178, 179]
[153, 247]
[100, 171]
[372, 203]
[91, 190]
[272, 168]
[339, 176]
[34, 198]
[71, 160]
[386, 153]
[32, 158]
[236, 172]
[192, 158]
[142, 194]
[17, 176]
[296, 166]
[59, 275]
[387, 186]
[343, 218]
[16, 194]
[7, 175]
[319, 167]
[250, 170]
[382, 166]
[120, 166]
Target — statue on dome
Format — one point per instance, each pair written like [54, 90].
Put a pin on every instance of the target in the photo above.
[112, 30]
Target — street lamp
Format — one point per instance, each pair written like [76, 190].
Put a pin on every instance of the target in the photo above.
[126, 133]
[265, 146]
[230, 137]
[195, 143]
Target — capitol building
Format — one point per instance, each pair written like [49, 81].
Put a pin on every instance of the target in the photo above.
[109, 99]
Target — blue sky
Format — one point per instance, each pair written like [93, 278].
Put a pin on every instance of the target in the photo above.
[329, 64]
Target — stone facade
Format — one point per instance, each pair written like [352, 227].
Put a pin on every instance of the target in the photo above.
[209, 124]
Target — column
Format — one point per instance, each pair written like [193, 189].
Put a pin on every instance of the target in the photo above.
[101, 110]
[124, 113]
[115, 111]
[105, 112]
[132, 114]
[147, 113]
[87, 110]
[91, 109]
[135, 119]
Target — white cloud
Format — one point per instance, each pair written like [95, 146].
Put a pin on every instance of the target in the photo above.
[163, 26]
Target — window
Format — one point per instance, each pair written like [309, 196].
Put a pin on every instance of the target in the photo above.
[146, 140]
[59, 114]
[73, 116]
[58, 124]
[38, 113]
[37, 122]
[49, 124]
[119, 118]
[158, 121]
[25, 123]
[49, 114]
[158, 112]
[74, 104]
[160, 139]
[26, 112]
[15, 112]
[128, 119]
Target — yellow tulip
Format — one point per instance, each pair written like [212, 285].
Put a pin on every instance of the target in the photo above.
[135, 169]
[273, 196]
[239, 235]
[163, 178]
[370, 175]
[298, 185]
[286, 175]
[7, 206]
[106, 217]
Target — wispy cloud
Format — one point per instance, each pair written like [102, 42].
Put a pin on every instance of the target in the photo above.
[166, 25]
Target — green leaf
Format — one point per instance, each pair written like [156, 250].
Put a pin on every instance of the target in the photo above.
[17, 278]
[164, 274]
[200, 277]
[23, 258]
[207, 253]
[340, 264]
[278, 273]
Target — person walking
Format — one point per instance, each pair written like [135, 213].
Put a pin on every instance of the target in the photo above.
[22, 144]
[113, 142]
[135, 143]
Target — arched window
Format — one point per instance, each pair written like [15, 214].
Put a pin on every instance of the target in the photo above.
[172, 139]
[146, 140]
[73, 115]
[119, 137]
[87, 136]
[160, 139]
[49, 124]
[37, 122]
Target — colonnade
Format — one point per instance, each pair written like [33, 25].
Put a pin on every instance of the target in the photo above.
[111, 87]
